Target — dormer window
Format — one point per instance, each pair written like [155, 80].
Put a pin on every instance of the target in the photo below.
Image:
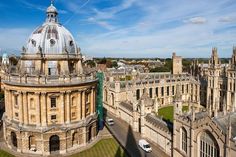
[71, 43]
[33, 42]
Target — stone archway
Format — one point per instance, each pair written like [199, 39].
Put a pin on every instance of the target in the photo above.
[90, 133]
[75, 138]
[32, 143]
[208, 145]
[14, 139]
[54, 143]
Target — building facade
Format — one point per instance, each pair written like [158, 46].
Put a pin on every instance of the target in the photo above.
[136, 97]
[206, 130]
[218, 85]
[198, 134]
[49, 100]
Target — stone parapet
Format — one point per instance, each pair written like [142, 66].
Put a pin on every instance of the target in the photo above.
[30, 80]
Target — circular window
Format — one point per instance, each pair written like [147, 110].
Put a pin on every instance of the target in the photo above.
[52, 42]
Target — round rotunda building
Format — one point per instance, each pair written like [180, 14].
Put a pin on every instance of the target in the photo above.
[49, 100]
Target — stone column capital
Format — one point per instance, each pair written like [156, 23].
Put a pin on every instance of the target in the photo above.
[62, 92]
[43, 93]
[68, 92]
[37, 93]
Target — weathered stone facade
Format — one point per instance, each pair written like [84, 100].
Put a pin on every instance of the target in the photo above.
[197, 134]
[49, 100]
[138, 99]
[217, 83]
[159, 85]
[208, 131]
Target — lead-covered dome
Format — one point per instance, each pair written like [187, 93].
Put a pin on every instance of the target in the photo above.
[51, 37]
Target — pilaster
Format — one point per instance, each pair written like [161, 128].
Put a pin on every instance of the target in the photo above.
[44, 109]
[21, 113]
[62, 107]
[68, 113]
[25, 106]
[79, 106]
[37, 99]
[92, 101]
[83, 104]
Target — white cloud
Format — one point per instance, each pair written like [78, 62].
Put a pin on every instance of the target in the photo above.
[227, 19]
[101, 23]
[196, 20]
[101, 16]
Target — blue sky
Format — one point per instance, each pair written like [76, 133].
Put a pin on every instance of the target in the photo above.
[128, 28]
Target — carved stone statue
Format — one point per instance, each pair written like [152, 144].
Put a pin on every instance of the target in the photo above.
[23, 49]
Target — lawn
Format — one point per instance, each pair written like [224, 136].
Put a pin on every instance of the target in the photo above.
[5, 154]
[104, 148]
[168, 112]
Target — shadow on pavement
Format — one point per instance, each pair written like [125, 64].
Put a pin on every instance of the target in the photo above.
[131, 144]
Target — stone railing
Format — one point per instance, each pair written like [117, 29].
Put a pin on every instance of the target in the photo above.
[48, 79]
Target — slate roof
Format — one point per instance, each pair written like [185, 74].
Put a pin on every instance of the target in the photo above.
[158, 122]
[127, 105]
[224, 121]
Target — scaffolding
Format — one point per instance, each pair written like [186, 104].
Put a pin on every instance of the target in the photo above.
[100, 77]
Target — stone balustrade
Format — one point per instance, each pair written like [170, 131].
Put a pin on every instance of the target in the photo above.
[50, 80]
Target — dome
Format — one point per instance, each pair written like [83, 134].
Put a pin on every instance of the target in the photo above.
[51, 37]
[52, 9]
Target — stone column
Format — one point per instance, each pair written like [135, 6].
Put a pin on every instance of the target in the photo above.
[92, 101]
[21, 113]
[68, 113]
[25, 106]
[79, 106]
[83, 104]
[37, 100]
[44, 109]
[7, 105]
[164, 96]
[62, 107]
[10, 107]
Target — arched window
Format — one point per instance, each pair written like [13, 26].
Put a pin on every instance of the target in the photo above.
[112, 99]
[105, 95]
[54, 143]
[75, 138]
[90, 133]
[32, 143]
[184, 140]
[16, 100]
[208, 145]
[73, 101]
[137, 94]
[32, 105]
[14, 139]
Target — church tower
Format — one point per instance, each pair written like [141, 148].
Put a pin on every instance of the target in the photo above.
[178, 102]
[213, 93]
[177, 67]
